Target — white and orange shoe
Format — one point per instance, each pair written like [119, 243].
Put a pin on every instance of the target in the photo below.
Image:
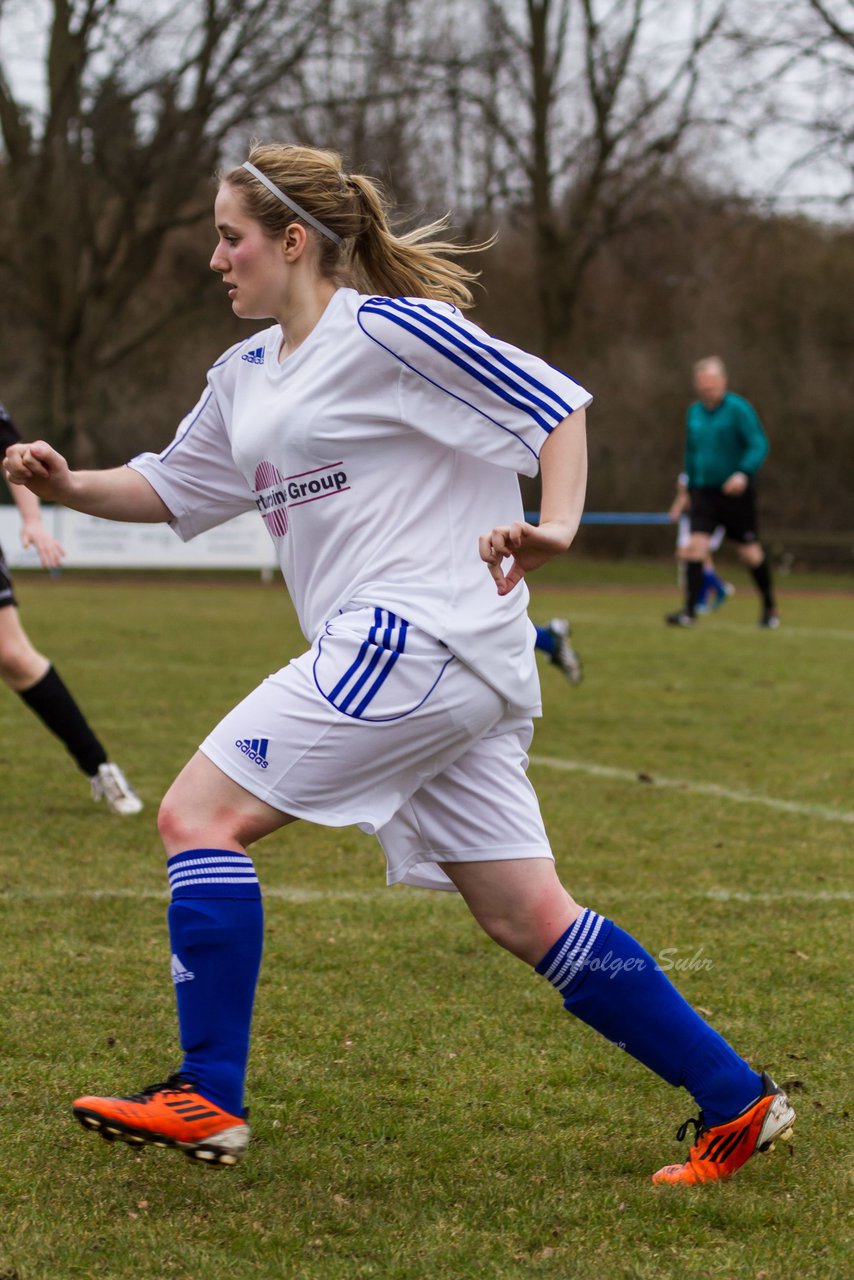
[172, 1114]
[718, 1153]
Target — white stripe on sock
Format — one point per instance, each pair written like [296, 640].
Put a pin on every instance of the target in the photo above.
[217, 880]
[230, 868]
[582, 960]
[568, 943]
[239, 859]
[581, 952]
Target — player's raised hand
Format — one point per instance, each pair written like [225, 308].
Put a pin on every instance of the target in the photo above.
[39, 468]
[528, 545]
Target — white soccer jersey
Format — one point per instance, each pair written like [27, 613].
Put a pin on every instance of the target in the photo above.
[376, 454]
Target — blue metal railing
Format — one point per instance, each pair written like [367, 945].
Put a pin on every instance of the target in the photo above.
[613, 517]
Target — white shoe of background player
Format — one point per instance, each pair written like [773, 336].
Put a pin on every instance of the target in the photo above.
[110, 785]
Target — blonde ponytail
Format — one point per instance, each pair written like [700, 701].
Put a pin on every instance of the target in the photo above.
[354, 208]
[416, 264]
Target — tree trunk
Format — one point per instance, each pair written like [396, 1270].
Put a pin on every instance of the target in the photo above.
[66, 429]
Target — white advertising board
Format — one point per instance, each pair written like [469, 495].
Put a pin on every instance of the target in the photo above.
[92, 543]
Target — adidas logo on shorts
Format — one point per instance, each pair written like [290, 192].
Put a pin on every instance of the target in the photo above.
[255, 749]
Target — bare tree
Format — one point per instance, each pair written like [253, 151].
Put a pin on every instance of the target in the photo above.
[384, 90]
[799, 58]
[840, 23]
[585, 107]
[834, 125]
[93, 181]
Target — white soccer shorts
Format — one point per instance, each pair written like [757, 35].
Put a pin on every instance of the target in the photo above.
[378, 725]
[683, 534]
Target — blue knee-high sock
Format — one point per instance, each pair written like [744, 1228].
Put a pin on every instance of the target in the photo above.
[546, 640]
[610, 982]
[711, 582]
[216, 925]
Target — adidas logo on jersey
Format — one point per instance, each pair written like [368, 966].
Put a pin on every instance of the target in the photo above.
[254, 357]
[179, 973]
[255, 749]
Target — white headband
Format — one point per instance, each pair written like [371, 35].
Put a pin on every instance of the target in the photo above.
[292, 204]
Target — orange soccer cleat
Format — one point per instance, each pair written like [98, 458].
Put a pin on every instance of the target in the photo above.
[717, 1153]
[171, 1114]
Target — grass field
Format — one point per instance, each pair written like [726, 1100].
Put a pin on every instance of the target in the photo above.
[422, 1106]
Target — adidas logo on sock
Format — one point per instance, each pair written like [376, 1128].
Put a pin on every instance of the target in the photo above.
[179, 973]
[255, 749]
[254, 357]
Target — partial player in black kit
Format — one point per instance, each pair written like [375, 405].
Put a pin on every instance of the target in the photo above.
[33, 677]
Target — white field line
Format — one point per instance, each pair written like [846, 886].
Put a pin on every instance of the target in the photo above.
[695, 788]
[791, 629]
[404, 894]
[786, 629]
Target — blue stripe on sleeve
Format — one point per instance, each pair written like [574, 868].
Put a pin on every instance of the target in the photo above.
[476, 408]
[473, 372]
[469, 343]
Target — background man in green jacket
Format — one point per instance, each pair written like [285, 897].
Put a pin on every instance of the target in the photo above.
[725, 447]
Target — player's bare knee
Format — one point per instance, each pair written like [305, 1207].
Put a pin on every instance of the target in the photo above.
[528, 934]
[20, 664]
[187, 821]
[751, 554]
[170, 823]
[10, 665]
[182, 826]
[509, 933]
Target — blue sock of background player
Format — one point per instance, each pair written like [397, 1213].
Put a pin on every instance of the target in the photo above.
[712, 581]
[546, 640]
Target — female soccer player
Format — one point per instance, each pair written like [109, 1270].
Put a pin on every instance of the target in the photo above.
[379, 433]
[34, 678]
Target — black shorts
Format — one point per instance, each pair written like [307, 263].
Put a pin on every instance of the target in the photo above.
[736, 512]
[7, 595]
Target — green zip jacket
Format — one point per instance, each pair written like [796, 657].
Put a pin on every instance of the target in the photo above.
[722, 440]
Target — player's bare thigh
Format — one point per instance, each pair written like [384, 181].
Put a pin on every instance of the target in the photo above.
[205, 809]
[697, 547]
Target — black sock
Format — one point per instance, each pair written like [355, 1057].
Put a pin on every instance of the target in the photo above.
[694, 576]
[54, 705]
[762, 578]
